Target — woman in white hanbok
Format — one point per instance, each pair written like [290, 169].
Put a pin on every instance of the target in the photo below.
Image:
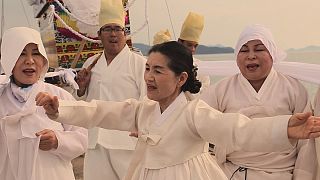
[261, 91]
[173, 127]
[32, 147]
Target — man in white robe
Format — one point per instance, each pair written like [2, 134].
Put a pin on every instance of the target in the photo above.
[274, 94]
[116, 74]
[32, 147]
[190, 37]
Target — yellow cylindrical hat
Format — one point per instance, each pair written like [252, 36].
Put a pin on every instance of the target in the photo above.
[192, 27]
[111, 11]
[161, 37]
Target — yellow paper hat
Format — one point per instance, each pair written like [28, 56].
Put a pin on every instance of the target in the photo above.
[192, 27]
[161, 37]
[111, 11]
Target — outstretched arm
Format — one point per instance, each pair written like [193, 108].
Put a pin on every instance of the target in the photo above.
[104, 114]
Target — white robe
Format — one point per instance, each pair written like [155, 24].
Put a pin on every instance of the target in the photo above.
[120, 80]
[20, 156]
[170, 144]
[279, 95]
[204, 79]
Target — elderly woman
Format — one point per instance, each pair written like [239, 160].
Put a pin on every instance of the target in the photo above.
[32, 147]
[173, 126]
[260, 91]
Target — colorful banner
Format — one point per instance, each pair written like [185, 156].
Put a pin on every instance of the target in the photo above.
[62, 45]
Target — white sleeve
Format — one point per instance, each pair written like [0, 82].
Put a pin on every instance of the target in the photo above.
[104, 114]
[236, 132]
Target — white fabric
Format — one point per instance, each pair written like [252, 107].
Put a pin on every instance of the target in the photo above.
[302, 71]
[66, 75]
[88, 12]
[112, 160]
[279, 95]
[2, 78]
[204, 79]
[121, 79]
[174, 150]
[20, 157]
[259, 32]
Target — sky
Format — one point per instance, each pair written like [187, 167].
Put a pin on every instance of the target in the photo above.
[294, 23]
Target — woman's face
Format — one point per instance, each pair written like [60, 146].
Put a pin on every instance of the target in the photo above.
[163, 85]
[29, 66]
[254, 60]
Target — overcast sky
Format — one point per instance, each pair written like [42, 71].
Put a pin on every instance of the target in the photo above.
[294, 23]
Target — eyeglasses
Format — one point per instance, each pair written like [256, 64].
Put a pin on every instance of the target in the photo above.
[109, 29]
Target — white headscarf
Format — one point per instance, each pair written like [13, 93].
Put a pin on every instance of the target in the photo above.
[14, 40]
[302, 71]
[259, 32]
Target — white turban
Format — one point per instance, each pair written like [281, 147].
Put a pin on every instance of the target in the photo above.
[302, 71]
[259, 32]
[14, 40]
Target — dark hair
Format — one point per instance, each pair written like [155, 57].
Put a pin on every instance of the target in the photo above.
[180, 60]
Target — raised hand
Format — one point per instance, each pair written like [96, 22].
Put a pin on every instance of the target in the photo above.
[303, 126]
[49, 103]
[48, 140]
[83, 80]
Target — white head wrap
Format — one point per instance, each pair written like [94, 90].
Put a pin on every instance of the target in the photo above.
[14, 40]
[259, 32]
[302, 71]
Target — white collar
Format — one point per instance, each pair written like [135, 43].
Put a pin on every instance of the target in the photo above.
[162, 117]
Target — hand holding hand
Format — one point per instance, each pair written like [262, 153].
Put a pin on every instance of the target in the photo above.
[48, 140]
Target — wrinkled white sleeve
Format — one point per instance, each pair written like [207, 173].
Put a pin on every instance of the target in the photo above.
[73, 140]
[104, 114]
[305, 165]
[236, 132]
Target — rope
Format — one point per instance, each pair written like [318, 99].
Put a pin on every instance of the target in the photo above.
[89, 39]
[146, 22]
[25, 13]
[72, 15]
[174, 34]
[70, 29]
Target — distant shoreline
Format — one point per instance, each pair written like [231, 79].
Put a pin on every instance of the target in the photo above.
[203, 49]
